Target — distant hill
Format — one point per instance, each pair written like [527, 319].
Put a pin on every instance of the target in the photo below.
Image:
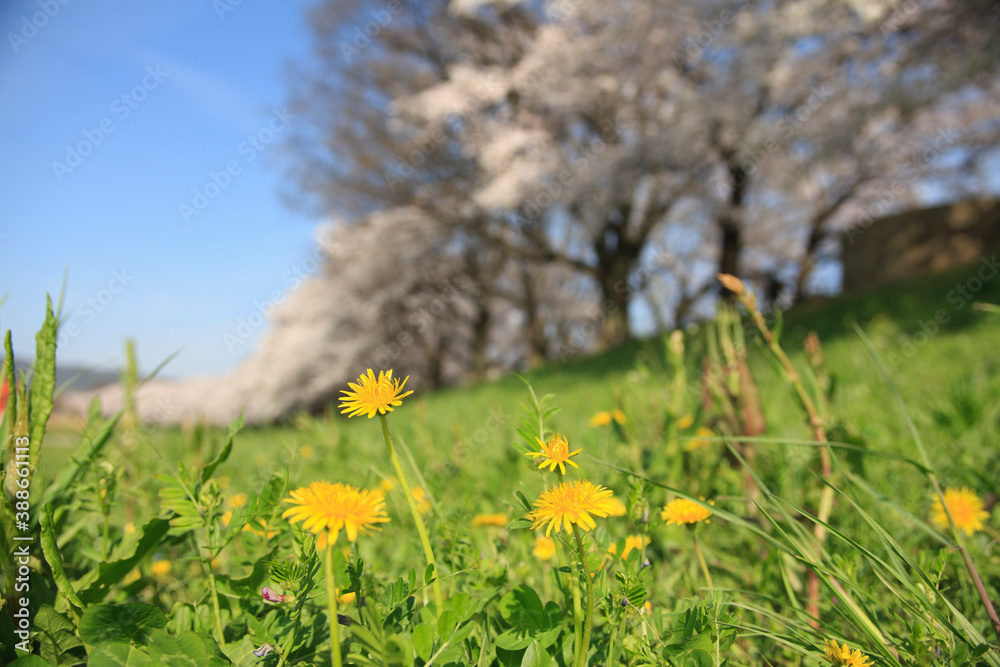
[87, 379]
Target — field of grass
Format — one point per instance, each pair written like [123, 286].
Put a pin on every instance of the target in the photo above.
[155, 544]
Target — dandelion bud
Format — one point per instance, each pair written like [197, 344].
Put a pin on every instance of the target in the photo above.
[676, 343]
[732, 283]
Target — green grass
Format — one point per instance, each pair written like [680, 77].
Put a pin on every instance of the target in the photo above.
[462, 445]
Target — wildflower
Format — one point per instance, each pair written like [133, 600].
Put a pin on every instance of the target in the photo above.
[132, 577]
[263, 531]
[600, 419]
[226, 517]
[965, 507]
[371, 395]
[129, 528]
[845, 656]
[237, 500]
[698, 441]
[270, 595]
[685, 422]
[571, 503]
[634, 542]
[423, 504]
[618, 416]
[326, 508]
[161, 568]
[346, 598]
[498, 520]
[617, 508]
[263, 650]
[545, 548]
[307, 452]
[555, 454]
[386, 485]
[681, 511]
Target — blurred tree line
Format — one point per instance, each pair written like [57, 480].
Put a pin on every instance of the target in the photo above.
[526, 180]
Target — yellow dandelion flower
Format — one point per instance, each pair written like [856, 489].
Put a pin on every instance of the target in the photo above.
[682, 511]
[647, 608]
[571, 503]
[161, 568]
[227, 516]
[132, 577]
[346, 598]
[618, 416]
[129, 528]
[845, 656]
[698, 441]
[634, 542]
[263, 532]
[555, 454]
[498, 520]
[386, 485]
[685, 422]
[329, 508]
[966, 510]
[237, 500]
[307, 452]
[423, 503]
[545, 548]
[372, 395]
[600, 419]
[617, 508]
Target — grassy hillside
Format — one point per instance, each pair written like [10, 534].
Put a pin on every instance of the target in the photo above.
[463, 448]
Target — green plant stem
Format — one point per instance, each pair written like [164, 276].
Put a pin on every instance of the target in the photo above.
[331, 603]
[574, 586]
[215, 602]
[701, 560]
[588, 624]
[417, 519]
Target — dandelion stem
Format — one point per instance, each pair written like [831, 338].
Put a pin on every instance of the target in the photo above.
[701, 559]
[421, 530]
[574, 585]
[588, 625]
[331, 601]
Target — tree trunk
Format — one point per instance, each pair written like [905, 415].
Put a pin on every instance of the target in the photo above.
[538, 344]
[731, 227]
[616, 293]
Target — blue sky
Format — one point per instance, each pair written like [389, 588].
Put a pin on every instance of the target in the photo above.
[152, 98]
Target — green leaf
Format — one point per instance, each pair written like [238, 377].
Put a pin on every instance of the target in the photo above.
[109, 574]
[231, 432]
[423, 640]
[191, 649]
[530, 621]
[43, 380]
[536, 656]
[52, 557]
[128, 623]
[118, 655]
[31, 661]
[429, 574]
[56, 636]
